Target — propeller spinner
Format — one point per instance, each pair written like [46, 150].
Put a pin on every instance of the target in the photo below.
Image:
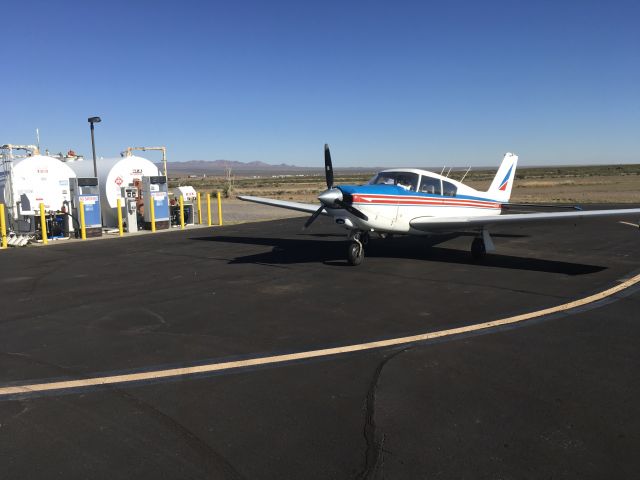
[332, 197]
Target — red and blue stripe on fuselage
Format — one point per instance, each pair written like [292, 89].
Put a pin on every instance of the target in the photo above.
[398, 196]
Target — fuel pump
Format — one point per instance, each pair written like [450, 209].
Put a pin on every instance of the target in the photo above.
[86, 190]
[189, 196]
[154, 189]
[130, 196]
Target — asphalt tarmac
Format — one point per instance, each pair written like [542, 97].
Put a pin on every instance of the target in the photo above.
[554, 397]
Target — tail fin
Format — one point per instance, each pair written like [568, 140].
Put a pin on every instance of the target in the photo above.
[500, 188]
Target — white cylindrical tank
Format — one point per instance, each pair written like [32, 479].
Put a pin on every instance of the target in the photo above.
[187, 191]
[113, 174]
[33, 180]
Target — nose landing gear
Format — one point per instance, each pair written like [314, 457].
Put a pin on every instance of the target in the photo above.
[355, 251]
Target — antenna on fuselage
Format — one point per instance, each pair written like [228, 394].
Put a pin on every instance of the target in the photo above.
[447, 175]
[465, 174]
[442, 171]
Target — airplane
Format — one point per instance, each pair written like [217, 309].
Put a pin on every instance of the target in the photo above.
[409, 201]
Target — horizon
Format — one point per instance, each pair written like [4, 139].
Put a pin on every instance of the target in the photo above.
[411, 83]
[377, 167]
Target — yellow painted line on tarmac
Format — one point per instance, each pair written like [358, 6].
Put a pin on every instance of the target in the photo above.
[629, 223]
[260, 361]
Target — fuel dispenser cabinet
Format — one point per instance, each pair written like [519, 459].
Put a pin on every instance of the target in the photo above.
[130, 197]
[86, 190]
[154, 189]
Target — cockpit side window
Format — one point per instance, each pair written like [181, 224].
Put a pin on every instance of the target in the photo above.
[406, 180]
[430, 185]
[449, 189]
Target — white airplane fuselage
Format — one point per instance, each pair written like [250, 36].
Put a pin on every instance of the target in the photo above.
[390, 208]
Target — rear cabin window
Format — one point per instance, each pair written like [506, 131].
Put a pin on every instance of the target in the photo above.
[449, 189]
[406, 180]
[430, 185]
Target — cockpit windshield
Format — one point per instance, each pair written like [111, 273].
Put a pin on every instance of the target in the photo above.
[406, 180]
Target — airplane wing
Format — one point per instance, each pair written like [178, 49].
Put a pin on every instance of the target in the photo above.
[300, 207]
[429, 224]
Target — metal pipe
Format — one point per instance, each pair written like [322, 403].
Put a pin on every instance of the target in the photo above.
[29, 148]
[128, 153]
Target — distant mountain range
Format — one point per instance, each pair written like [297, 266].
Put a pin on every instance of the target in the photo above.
[257, 168]
[218, 167]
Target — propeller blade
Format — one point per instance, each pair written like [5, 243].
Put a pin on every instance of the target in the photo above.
[311, 219]
[352, 210]
[328, 167]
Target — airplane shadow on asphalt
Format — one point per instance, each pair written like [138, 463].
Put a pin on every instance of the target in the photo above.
[333, 252]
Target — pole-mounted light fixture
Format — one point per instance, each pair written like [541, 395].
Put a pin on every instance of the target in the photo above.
[91, 121]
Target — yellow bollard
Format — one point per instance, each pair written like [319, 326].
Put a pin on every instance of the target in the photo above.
[199, 209]
[152, 212]
[219, 210]
[119, 207]
[181, 202]
[43, 225]
[3, 227]
[209, 208]
[83, 226]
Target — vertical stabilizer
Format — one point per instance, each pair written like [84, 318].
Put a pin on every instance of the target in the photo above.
[500, 188]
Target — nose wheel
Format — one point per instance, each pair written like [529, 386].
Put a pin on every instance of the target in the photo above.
[355, 251]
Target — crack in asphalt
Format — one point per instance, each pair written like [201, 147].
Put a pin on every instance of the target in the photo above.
[374, 455]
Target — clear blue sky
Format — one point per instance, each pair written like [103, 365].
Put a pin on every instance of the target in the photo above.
[385, 83]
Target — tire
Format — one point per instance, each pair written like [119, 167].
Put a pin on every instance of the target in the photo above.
[478, 249]
[355, 254]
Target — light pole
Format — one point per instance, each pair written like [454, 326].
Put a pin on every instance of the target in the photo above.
[91, 121]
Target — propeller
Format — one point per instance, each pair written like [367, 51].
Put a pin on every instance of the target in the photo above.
[312, 218]
[349, 208]
[328, 167]
[332, 197]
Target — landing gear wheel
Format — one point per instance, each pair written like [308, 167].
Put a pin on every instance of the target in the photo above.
[355, 253]
[478, 249]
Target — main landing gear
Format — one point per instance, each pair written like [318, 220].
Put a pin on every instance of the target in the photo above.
[478, 248]
[358, 239]
[481, 245]
[357, 242]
